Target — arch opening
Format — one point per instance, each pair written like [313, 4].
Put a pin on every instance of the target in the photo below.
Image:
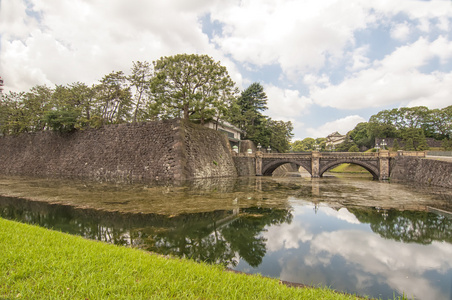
[369, 168]
[268, 169]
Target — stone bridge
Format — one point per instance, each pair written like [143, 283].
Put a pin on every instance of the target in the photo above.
[317, 163]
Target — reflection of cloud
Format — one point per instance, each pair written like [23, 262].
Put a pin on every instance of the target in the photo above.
[286, 236]
[401, 267]
[341, 214]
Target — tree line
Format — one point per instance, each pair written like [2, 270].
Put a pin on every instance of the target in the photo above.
[186, 86]
[409, 125]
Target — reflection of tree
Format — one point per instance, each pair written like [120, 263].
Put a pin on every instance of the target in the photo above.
[407, 226]
[244, 235]
[191, 236]
[211, 240]
[214, 237]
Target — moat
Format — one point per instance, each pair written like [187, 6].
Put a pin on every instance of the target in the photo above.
[350, 233]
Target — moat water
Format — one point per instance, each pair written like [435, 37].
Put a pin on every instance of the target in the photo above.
[352, 234]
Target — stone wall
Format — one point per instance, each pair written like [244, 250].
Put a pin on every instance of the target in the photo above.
[164, 150]
[205, 153]
[423, 171]
[284, 169]
[246, 165]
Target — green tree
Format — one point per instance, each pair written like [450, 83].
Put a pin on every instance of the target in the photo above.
[440, 123]
[113, 99]
[409, 145]
[190, 86]
[307, 144]
[36, 103]
[280, 135]
[447, 144]
[321, 142]
[140, 80]
[12, 113]
[362, 136]
[395, 145]
[248, 115]
[422, 142]
[353, 148]
[61, 120]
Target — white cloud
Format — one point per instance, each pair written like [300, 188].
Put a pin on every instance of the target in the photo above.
[83, 41]
[342, 126]
[287, 236]
[299, 35]
[400, 31]
[359, 58]
[342, 214]
[286, 104]
[321, 44]
[393, 80]
[385, 258]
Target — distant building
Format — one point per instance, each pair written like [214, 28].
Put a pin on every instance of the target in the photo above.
[233, 133]
[334, 139]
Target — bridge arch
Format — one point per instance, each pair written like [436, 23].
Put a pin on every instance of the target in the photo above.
[269, 168]
[373, 170]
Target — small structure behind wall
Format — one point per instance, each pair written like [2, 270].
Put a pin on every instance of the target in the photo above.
[233, 133]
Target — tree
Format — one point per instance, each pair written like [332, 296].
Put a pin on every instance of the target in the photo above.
[36, 103]
[307, 144]
[409, 145]
[440, 123]
[422, 143]
[251, 103]
[12, 116]
[113, 99]
[281, 133]
[353, 148]
[447, 144]
[140, 80]
[395, 145]
[361, 135]
[61, 120]
[190, 86]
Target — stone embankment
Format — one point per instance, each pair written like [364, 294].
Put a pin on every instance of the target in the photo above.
[423, 171]
[163, 150]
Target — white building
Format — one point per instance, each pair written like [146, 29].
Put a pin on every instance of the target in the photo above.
[334, 139]
[230, 130]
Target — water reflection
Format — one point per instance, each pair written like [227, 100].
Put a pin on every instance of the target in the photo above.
[357, 236]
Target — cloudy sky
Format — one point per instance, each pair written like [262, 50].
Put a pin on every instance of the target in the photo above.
[325, 65]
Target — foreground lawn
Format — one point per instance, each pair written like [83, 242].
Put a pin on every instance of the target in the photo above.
[36, 263]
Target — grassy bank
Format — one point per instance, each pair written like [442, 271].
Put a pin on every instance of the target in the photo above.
[348, 168]
[37, 263]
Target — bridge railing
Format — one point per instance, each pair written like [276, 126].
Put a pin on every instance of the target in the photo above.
[411, 153]
[349, 154]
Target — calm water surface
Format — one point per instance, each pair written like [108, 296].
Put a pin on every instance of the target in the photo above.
[351, 234]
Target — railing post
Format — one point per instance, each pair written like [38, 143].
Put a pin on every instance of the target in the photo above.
[383, 162]
[258, 158]
[315, 164]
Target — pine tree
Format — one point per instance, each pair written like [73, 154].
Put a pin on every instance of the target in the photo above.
[395, 145]
[409, 145]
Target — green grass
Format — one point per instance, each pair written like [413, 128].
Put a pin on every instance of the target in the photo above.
[36, 263]
[348, 168]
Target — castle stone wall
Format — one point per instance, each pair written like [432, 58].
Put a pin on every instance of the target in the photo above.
[163, 150]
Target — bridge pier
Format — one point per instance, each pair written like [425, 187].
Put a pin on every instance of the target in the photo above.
[383, 164]
[315, 164]
[258, 163]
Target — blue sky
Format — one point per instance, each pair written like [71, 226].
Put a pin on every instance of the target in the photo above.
[325, 65]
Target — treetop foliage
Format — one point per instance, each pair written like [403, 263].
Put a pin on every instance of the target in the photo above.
[409, 126]
[189, 86]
